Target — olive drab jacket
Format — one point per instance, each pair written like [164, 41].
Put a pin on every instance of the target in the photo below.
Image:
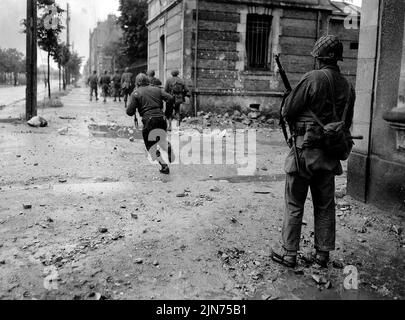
[314, 92]
[148, 100]
[127, 80]
[116, 80]
[105, 81]
[93, 81]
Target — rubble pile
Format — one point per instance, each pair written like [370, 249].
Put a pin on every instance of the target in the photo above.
[253, 119]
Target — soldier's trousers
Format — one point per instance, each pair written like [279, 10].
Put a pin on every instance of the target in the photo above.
[322, 185]
[155, 133]
[95, 90]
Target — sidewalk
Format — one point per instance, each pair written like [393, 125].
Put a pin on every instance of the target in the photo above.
[104, 222]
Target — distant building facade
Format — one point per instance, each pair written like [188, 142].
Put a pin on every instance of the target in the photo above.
[376, 172]
[225, 49]
[106, 32]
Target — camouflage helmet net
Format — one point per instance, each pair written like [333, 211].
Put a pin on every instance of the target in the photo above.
[328, 48]
[142, 80]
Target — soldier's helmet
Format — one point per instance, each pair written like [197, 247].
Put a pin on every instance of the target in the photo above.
[175, 73]
[328, 48]
[142, 80]
[126, 69]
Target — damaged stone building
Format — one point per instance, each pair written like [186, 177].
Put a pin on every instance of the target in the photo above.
[225, 49]
[106, 32]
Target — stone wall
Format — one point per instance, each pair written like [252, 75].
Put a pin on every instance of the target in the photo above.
[223, 77]
[376, 167]
[165, 44]
[219, 72]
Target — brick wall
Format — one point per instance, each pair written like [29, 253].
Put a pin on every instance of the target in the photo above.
[223, 79]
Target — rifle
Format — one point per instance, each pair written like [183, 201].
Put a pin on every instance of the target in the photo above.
[136, 121]
[292, 140]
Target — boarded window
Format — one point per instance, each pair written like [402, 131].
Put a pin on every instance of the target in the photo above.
[258, 41]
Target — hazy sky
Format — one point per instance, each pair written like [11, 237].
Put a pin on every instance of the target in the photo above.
[84, 16]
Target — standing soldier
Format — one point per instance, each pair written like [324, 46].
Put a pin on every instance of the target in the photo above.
[153, 81]
[92, 82]
[127, 84]
[148, 100]
[105, 82]
[322, 97]
[178, 89]
[117, 86]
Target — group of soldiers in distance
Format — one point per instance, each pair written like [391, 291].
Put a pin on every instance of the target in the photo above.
[122, 85]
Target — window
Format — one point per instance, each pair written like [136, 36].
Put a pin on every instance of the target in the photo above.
[354, 46]
[257, 41]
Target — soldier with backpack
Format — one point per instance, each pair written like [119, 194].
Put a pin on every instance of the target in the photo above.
[176, 87]
[320, 111]
[127, 84]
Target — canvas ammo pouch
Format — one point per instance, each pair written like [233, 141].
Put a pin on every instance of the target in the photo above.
[336, 139]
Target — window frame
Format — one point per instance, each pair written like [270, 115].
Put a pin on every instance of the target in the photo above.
[265, 22]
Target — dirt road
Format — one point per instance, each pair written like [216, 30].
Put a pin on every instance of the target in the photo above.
[84, 215]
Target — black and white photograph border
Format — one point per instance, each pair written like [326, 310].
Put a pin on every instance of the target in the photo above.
[168, 150]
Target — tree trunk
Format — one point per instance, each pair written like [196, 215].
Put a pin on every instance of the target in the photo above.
[49, 75]
[64, 78]
[60, 84]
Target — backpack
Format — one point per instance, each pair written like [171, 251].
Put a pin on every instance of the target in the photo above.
[178, 91]
[337, 141]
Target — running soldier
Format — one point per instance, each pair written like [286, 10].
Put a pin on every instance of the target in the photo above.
[127, 84]
[153, 81]
[92, 82]
[105, 82]
[323, 96]
[178, 89]
[148, 101]
[117, 86]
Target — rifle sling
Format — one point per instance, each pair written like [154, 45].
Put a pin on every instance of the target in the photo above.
[333, 92]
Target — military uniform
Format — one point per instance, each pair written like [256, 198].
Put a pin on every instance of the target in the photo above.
[317, 170]
[105, 82]
[93, 83]
[148, 100]
[322, 95]
[117, 86]
[178, 89]
[127, 85]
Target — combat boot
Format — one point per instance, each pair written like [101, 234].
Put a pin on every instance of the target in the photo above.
[284, 257]
[322, 258]
[165, 169]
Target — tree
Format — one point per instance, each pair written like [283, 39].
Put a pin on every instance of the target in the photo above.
[134, 14]
[74, 64]
[12, 61]
[49, 31]
[62, 57]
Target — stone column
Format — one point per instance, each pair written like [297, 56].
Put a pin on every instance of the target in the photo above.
[376, 172]
[365, 85]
